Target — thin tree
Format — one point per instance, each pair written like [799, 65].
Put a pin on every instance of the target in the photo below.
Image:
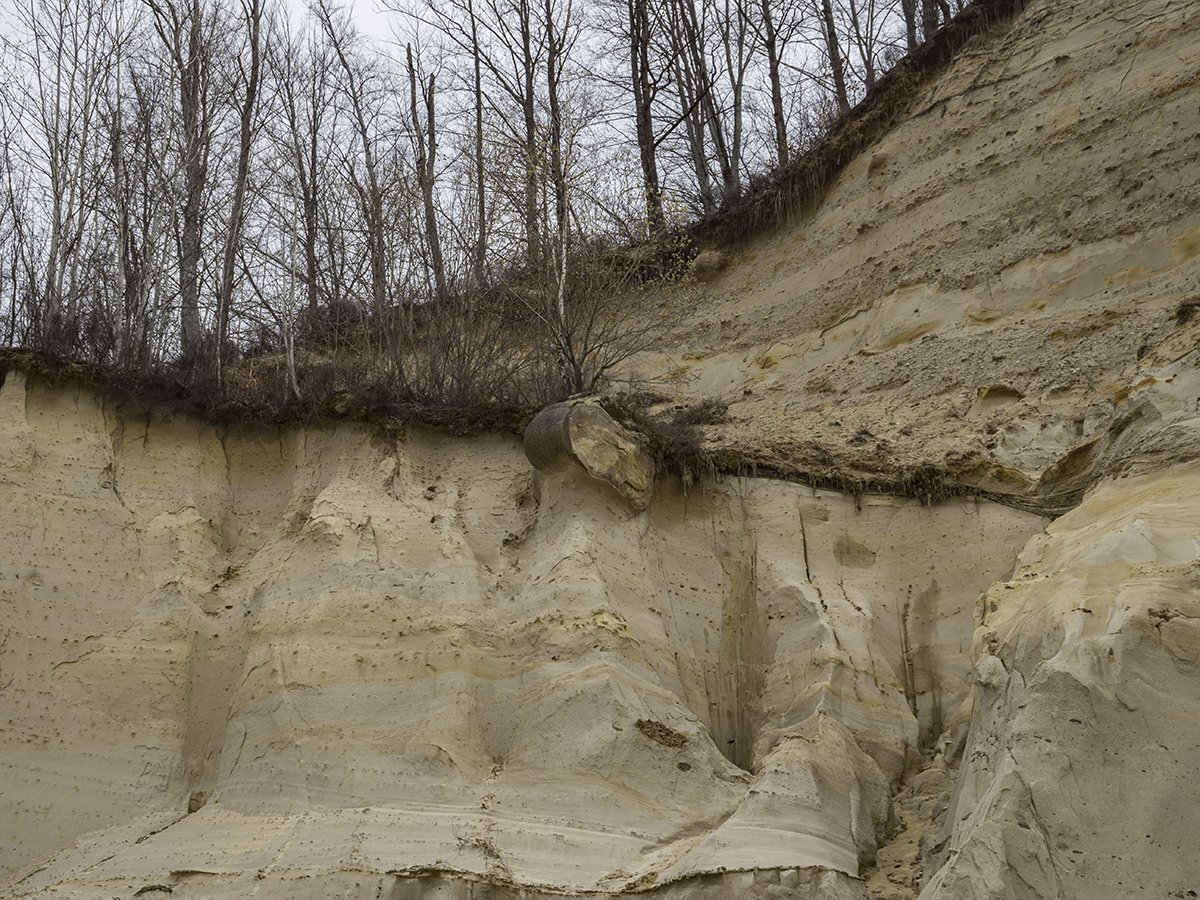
[249, 74]
[187, 31]
[908, 9]
[479, 254]
[69, 57]
[836, 63]
[340, 35]
[424, 140]
[644, 89]
[774, 51]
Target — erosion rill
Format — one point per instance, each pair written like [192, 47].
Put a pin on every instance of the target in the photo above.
[347, 661]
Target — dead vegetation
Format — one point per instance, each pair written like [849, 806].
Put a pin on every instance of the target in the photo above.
[486, 361]
[674, 433]
[257, 393]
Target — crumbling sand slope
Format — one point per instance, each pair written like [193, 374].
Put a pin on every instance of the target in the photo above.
[1003, 287]
[344, 661]
[289, 661]
[331, 661]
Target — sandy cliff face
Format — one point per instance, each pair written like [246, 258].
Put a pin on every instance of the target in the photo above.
[342, 662]
[333, 662]
[1078, 777]
[291, 662]
[1000, 287]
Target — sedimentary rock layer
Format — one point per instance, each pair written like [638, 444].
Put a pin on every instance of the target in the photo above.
[293, 659]
[1079, 772]
[1003, 287]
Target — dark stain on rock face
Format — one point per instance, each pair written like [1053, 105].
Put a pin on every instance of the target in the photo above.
[849, 552]
[660, 733]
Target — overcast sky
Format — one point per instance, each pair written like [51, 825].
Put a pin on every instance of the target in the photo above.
[367, 16]
[373, 23]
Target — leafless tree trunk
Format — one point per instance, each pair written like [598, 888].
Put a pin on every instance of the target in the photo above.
[644, 92]
[554, 71]
[693, 45]
[69, 58]
[528, 102]
[187, 34]
[738, 47]
[139, 199]
[371, 193]
[479, 251]
[252, 18]
[302, 70]
[862, 26]
[836, 63]
[12, 215]
[424, 136]
[513, 61]
[691, 92]
[908, 9]
[771, 45]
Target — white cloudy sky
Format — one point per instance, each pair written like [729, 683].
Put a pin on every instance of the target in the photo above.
[373, 22]
[371, 19]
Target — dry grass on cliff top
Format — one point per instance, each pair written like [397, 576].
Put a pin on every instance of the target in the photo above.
[256, 393]
[672, 432]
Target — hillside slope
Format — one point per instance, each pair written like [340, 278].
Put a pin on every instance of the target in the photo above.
[1002, 287]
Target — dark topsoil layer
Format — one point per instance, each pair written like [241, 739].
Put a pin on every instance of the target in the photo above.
[673, 433]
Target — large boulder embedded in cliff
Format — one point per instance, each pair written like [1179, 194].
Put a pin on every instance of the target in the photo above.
[582, 434]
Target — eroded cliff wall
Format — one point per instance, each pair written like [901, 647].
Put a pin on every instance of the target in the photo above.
[282, 660]
[1004, 286]
[341, 661]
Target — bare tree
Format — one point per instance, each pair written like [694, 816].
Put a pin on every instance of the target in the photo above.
[774, 41]
[909, 11]
[369, 187]
[645, 86]
[249, 75]
[837, 64]
[188, 32]
[68, 60]
[301, 67]
[459, 22]
[862, 33]
[692, 35]
[425, 143]
[693, 91]
[479, 250]
[138, 206]
[517, 55]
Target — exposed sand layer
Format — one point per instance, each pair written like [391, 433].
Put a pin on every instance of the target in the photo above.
[1006, 287]
[282, 658]
[338, 662]
[1079, 772]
